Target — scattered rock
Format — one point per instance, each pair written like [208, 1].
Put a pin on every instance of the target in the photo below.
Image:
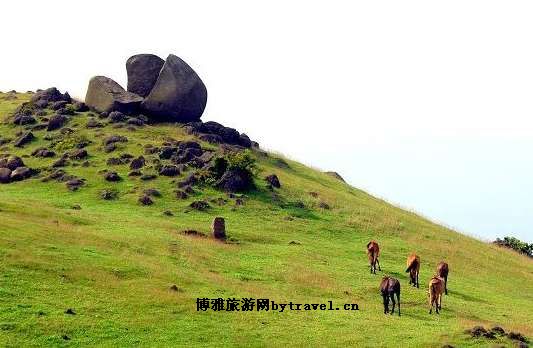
[78, 154]
[56, 122]
[80, 107]
[62, 162]
[235, 180]
[93, 123]
[143, 70]
[135, 173]
[168, 213]
[478, 331]
[20, 173]
[178, 94]
[498, 330]
[323, 205]
[147, 177]
[313, 194]
[517, 336]
[273, 180]
[70, 311]
[5, 175]
[152, 192]
[23, 120]
[24, 139]
[109, 194]
[181, 194]
[12, 162]
[218, 228]
[60, 104]
[112, 177]
[137, 163]
[295, 242]
[76, 207]
[200, 205]
[105, 95]
[74, 184]
[117, 116]
[169, 170]
[115, 139]
[50, 95]
[134, 121]
[145, 200]
[43, 152]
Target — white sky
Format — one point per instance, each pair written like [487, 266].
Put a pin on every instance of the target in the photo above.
[427, 104]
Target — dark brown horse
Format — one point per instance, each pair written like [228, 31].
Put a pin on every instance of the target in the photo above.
[413, 267]
[442, 271]
[372, 250]
[436, 288]
[389, 287]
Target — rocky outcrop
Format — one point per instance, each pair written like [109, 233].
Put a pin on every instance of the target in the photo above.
[219, 228]
[143, 71]
[105, 95]
[178, 95]
[215, 133]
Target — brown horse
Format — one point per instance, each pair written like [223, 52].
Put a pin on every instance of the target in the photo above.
[390, 286]
[372, 250]
[413, 267]
[442, 271]
[436, 288]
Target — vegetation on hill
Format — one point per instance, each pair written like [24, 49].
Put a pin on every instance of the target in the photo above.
[515, 244]
[80, 269]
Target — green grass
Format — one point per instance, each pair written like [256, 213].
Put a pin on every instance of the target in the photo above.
[114, 261]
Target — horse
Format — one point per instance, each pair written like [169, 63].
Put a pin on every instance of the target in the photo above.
[436, 288]
[372, 250]
[442, 271]
[390, 286]
[413, 267]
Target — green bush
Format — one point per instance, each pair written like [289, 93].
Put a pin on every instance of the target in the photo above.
[516, 244]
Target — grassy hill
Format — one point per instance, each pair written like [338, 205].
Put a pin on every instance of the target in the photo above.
[113, 262]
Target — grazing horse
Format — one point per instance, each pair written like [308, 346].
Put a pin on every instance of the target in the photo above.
[413, 267]
[436, 288]
[442, 271]
[372, 250]
[390, 286]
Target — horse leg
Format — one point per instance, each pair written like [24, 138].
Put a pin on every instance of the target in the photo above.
[378, 264]
[398, 295]
[417, 283]
[393, 303]
[446, 285]
[385, 304]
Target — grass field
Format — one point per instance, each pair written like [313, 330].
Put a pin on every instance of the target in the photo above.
[113, 262]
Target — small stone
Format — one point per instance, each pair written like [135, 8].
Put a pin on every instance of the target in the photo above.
[112, 177]
[145, 200]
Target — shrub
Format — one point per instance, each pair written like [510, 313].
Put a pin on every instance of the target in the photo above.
[515, 244]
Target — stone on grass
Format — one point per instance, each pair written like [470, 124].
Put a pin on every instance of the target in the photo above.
[219, 228]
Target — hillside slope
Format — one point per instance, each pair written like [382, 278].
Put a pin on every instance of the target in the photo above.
[113, 261]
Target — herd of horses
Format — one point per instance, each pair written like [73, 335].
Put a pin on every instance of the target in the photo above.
[390, 287]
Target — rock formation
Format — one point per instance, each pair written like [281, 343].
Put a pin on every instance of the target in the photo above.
[105, 95]
[178, 95]
[143, 70]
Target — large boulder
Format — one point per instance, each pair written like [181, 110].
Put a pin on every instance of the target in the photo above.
[178, 95]
[143, 70]
[105, 95]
